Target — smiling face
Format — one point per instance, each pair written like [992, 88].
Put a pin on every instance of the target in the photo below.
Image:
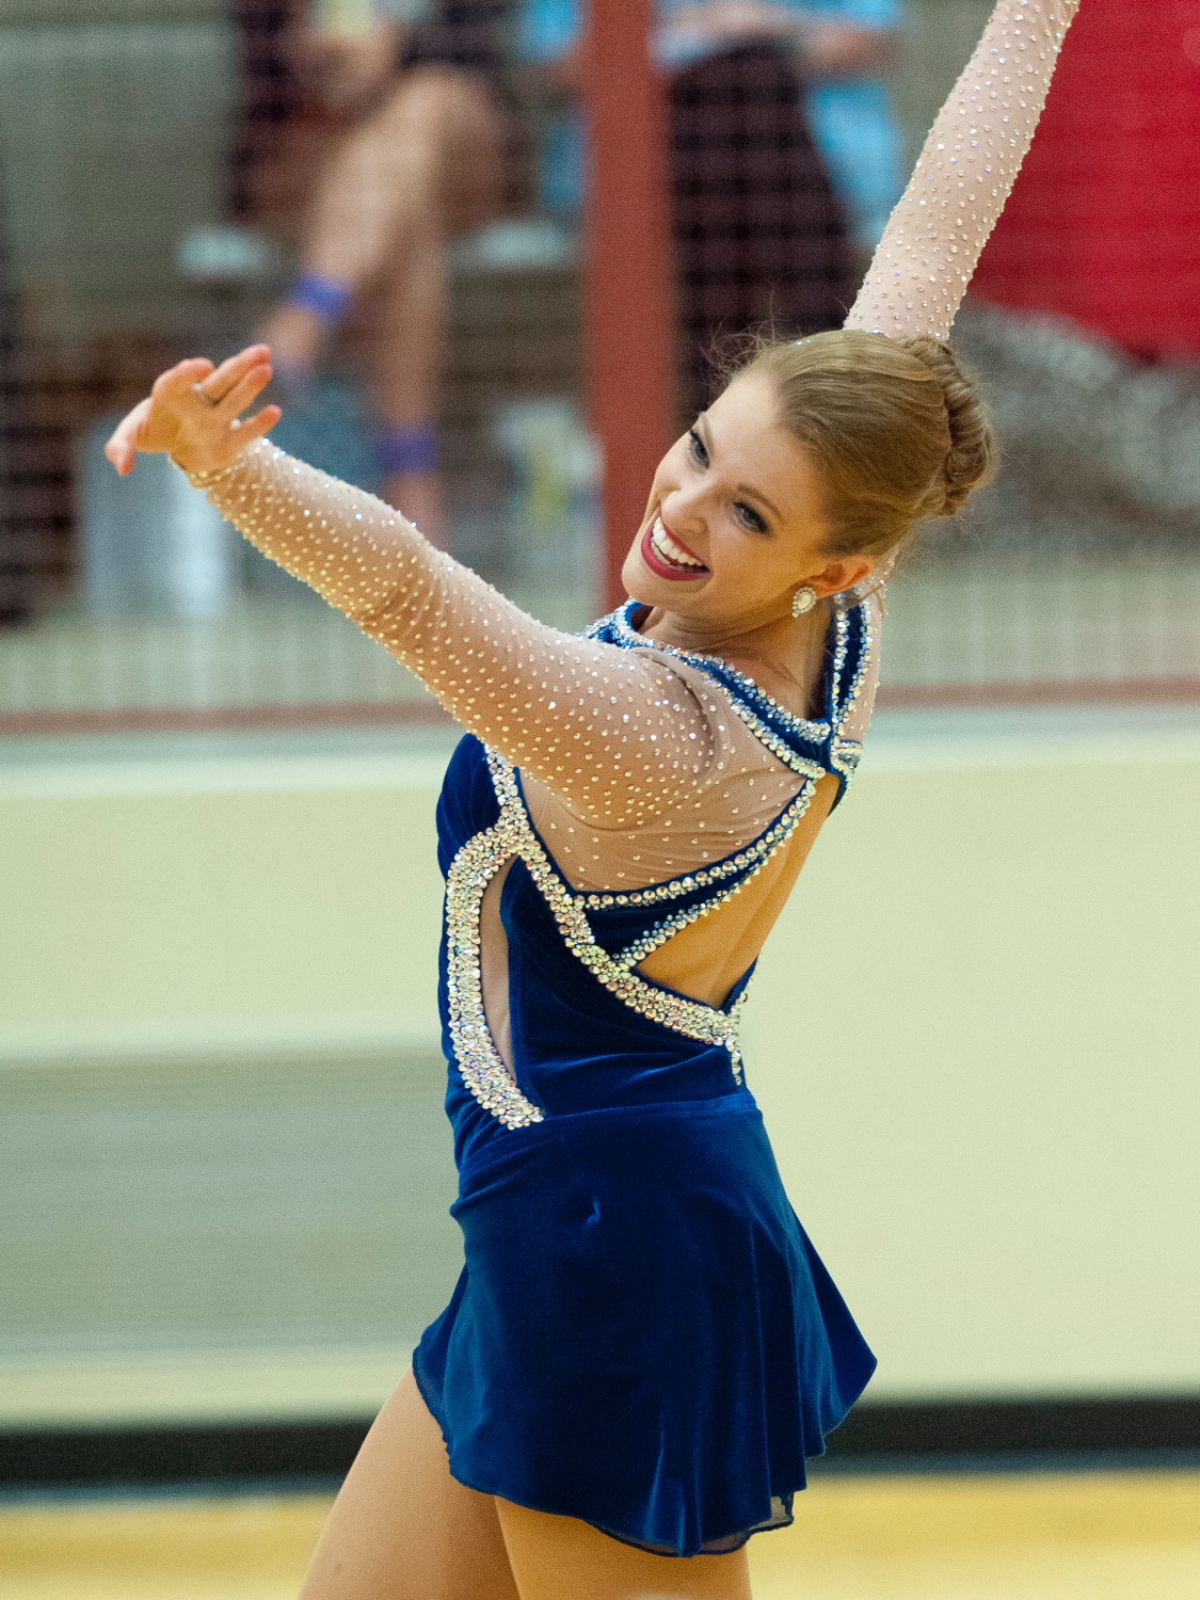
[735, 522]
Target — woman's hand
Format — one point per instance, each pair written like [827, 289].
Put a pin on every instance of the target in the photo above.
[194, 414]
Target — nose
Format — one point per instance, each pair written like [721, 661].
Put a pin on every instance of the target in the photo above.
[684, 508]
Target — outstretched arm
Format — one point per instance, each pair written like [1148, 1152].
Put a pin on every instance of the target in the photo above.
[964, 175]
[616, 734]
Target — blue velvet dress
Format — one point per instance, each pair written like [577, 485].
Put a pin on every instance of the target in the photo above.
[642, 1335]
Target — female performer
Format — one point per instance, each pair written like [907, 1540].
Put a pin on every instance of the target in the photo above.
[643, 1346]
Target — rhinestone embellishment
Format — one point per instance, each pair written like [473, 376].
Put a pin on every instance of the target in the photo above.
[483, 1071]
[748, 699]
[692, 1018]
[477, 863]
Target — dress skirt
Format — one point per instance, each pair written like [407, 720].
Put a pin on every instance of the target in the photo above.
[642, 1336]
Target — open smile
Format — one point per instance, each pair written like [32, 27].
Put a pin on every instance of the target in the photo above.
[669, 557]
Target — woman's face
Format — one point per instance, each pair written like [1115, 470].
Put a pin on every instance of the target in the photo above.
[734, 524]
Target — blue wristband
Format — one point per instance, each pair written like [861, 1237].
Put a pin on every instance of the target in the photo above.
[327, 298]
[409, 447]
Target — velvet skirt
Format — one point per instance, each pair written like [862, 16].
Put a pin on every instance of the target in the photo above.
[642, 1335]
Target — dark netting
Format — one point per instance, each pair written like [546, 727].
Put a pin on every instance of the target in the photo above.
[759, 236]
[171, 173]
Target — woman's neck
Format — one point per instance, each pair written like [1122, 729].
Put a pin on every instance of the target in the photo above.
[783, 654]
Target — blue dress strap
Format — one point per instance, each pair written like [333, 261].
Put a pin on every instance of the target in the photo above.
[798, 742]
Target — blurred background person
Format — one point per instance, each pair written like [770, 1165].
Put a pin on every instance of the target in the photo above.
[785, 156]
[842, 51]
[1084, 314]
[371, 135]
[1104, 220]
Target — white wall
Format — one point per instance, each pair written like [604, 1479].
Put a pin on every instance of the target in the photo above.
[973, 1035]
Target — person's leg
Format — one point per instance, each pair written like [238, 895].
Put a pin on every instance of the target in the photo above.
[354, 216]
[408, 335]
[427, 164]
[556, 1557]
[382, 174]
[401, 1528]
[451, 117]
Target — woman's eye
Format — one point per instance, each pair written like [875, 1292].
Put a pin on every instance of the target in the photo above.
[750, 518]
[696, 446]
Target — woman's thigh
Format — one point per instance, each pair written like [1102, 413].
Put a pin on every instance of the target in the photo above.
[553, 1558]
[450, 115]
[401, 1528]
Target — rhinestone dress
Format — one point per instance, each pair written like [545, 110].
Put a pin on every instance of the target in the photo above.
[642, 1335]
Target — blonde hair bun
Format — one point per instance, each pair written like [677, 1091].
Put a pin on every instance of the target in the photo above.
[895, 426]
[971, 459]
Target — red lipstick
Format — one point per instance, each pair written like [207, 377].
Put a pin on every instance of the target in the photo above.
[663, 568]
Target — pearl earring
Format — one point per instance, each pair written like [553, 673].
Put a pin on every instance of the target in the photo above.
[803, 600]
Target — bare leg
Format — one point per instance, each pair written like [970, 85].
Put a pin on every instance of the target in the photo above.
[556, 1557]
[462, 175]
[433, 148]
[402, 1528]
[408, 336]
[425, 166]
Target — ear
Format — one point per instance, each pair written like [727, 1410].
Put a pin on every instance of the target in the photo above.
[841, 574]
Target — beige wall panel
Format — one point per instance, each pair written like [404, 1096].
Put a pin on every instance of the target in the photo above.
[213, 909]
[974, 1036]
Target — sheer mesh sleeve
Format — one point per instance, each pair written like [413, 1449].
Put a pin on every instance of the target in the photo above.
[616, 734]
[965, 172]
[853, 725]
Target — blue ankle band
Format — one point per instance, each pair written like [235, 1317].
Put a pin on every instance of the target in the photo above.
[324, 296]
[411, 447]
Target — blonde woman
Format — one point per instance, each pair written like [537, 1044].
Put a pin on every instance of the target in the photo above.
[643, 1346]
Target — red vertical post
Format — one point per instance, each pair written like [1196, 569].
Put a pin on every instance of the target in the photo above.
[628, 303]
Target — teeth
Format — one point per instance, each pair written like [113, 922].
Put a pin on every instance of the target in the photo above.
[670, 549]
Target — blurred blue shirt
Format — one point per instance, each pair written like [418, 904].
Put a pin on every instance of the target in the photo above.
[851, 118]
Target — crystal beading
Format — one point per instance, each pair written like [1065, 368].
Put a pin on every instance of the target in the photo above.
[754, 856]
[844, 753]
[814, 730]
[479, 1062]
[692, 1018]
[483, 1071]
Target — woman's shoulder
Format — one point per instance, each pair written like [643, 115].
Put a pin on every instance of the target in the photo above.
[802, 726]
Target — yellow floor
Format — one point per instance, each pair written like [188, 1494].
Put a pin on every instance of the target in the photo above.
[1053, 1537]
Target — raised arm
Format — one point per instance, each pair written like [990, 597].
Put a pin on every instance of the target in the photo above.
[966, 170]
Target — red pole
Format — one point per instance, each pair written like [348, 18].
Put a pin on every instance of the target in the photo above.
[629, 315]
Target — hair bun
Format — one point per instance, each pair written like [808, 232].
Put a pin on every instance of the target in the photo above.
[971, 460]
[893, 428]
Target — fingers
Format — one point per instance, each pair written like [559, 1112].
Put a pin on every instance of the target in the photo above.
[122, 446]
[219, 383]
[176, 388]
[225, 442]
[257, 426]
[184, 374]
[246, 389]
[193, 409]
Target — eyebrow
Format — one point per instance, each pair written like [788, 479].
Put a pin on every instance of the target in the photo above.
[702, 429]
